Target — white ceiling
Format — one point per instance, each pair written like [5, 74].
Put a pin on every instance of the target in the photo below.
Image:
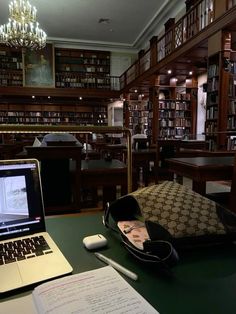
[75, 22]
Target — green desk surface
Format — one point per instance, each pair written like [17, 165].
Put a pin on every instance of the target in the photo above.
[203, 282]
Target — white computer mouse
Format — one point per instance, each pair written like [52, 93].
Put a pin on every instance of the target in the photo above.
[95, 241]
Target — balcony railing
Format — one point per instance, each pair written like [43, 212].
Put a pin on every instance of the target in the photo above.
[230, 4]
[194, 21]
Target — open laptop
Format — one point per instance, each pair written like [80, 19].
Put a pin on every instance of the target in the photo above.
[22, 224]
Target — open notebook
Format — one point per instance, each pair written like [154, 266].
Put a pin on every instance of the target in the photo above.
[27, 252]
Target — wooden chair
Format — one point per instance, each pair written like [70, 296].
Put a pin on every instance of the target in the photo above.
[61, 184]
[165, 149]
[140, 143]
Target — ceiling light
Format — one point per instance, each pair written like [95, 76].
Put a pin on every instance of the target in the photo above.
[22, 30]
[190, 72]
[169, 71]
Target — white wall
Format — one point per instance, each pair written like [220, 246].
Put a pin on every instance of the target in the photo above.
[201, 108]
[120, 62]
[115, 113]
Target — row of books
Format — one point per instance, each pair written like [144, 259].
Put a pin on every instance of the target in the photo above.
[211, 127]
[182, 122]
[138, 120]
[183, 96]
[213, 70]
[31, 114]
[213, 84]
[138, 105]
[9, 62]
[232, 107]
[139, 113]
[178, 122]
[212, 113]
[76, 81]
[11, 82]
[84, 61]
[166, 114]
[173, 132]
[231, 143]
[81, 68]
[231, 123]
[52, 120]
[212, 99]
[174, 105]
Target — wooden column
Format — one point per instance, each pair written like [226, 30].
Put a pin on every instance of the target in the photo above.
[153, 51]
[153, 98]
[220, 7]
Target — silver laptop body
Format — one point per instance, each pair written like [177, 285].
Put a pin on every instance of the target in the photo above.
[22, 220]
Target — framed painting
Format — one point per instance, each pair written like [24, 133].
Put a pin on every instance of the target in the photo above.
[39, 67]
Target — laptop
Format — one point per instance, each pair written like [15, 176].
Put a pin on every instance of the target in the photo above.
[22, 224]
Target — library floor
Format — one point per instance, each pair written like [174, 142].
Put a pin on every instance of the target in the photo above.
[212, 186]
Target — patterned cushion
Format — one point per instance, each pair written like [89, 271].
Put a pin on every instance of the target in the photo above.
[179, 210]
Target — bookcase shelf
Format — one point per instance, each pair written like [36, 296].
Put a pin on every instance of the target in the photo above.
[82, 68]
[220, 125]
[175, 109]
[74, 68]
[214, 79]
[136, 112]
[53, 114]
[231, 113]
[11, 73]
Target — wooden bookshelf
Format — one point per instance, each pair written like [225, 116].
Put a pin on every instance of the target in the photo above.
[221, 101]
[74, 68]
[136, 112]
[53, 114]
[220, 123]
[80, 97]
[11, 73]
[176, 104]
[82, 68]
[231, 112]
[214, 80]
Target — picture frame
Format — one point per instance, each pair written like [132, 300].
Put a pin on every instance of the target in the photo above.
[39, 67]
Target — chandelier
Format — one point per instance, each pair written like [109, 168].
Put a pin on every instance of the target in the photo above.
[22, 30]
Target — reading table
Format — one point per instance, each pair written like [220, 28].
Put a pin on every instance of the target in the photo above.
[204, 281]
[202, 169]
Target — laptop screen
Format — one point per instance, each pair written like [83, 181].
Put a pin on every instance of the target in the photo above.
[21, 204]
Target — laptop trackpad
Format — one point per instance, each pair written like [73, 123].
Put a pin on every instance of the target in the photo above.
[10, 277]
[41, 268]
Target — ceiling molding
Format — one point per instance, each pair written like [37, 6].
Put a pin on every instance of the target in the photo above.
[156, 25]
[95, 45]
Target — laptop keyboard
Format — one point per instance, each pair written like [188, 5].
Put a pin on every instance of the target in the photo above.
[19, 250]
